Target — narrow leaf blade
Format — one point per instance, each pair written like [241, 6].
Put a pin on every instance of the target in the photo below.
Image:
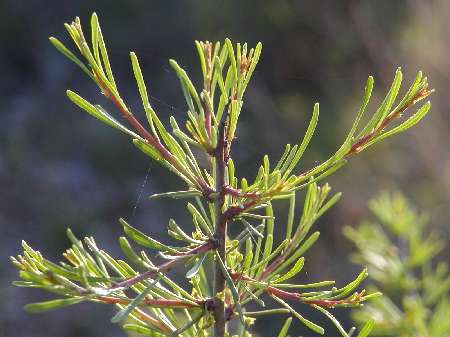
[53, 304]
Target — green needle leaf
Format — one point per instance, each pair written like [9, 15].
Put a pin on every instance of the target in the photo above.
[142, 91]
[94, 32]
[194, 270]
[144, 240]
[99, 113]
[352, 285]
[306, 139]
[284, 330]
[105, 57]
[299, 252]
[192, 322]
[314, 327]
[254, 61]
[385, 106]
[251, 229]
[291, 214]
[141, 330]
[366, 99]
[332, 319]
[234, 292]
[367, 329]
[53, 304]
[293, 271]
[122, 314]
[131, 254]
[187, 86]
[177, 195]
[66, 52]
[232, 58]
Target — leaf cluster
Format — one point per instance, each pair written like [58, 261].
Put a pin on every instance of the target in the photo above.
[253, 266]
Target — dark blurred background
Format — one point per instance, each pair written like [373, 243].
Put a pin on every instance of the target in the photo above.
[60, 168]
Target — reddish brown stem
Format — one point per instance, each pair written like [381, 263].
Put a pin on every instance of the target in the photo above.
[287, 295]
[238, 193]
[156, 303]
[153, 321]
[283, 294]
[220, 234]
[233, 211]
[253, 200]
[357, 146]
[272, 266]
[165, 267]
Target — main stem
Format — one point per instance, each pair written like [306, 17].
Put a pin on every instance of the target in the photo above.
[220, 234]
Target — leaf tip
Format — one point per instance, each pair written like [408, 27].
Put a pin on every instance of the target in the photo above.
[316, 108]
[173, 63]
[71, 94]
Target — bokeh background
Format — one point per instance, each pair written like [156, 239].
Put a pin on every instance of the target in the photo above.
[60, 168]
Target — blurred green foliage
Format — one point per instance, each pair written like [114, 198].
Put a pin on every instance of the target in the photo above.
[401, 251]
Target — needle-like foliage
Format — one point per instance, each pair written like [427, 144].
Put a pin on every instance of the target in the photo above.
[251, 267]
[402, 255]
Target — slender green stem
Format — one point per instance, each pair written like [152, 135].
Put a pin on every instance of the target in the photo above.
[268, 312]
